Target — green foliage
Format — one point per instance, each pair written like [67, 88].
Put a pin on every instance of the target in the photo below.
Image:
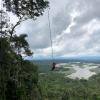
[26, 8]
[57, 87]
[18, 77]
[20, 45]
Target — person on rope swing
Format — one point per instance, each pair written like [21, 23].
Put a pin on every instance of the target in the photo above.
[53, 66]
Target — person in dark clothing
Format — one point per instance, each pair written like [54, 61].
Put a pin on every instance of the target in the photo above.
[53, 66]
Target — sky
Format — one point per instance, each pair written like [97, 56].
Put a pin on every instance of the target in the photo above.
[75, 28]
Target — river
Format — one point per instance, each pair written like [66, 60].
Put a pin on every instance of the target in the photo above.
[81, 71]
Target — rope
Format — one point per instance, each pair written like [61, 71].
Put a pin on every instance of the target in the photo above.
[52, 53]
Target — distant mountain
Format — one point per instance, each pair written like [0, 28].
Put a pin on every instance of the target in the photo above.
[82, 59]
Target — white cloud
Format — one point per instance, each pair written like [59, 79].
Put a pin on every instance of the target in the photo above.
[75, 28]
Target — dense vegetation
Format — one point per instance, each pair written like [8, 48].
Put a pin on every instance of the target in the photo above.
[18, 77]
[57, 87]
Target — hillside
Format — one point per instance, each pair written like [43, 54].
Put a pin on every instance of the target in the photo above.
[55, 86]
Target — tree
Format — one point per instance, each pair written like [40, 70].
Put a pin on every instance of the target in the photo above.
[21, 43]
[18, 78]
[25, 9]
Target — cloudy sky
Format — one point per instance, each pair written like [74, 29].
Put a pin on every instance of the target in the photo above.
[75, 26]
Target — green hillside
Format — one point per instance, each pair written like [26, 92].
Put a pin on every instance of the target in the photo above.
[55, 86]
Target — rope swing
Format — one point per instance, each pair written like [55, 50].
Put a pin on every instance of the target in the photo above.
[51, 42]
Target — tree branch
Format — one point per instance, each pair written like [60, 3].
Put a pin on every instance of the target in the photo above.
[18, 23]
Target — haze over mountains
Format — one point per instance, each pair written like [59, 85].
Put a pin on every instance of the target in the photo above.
[85, 59]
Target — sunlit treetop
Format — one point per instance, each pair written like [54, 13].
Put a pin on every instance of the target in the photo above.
[26, 8]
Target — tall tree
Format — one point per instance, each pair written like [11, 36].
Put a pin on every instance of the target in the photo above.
[25, 9]
[18, 78]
